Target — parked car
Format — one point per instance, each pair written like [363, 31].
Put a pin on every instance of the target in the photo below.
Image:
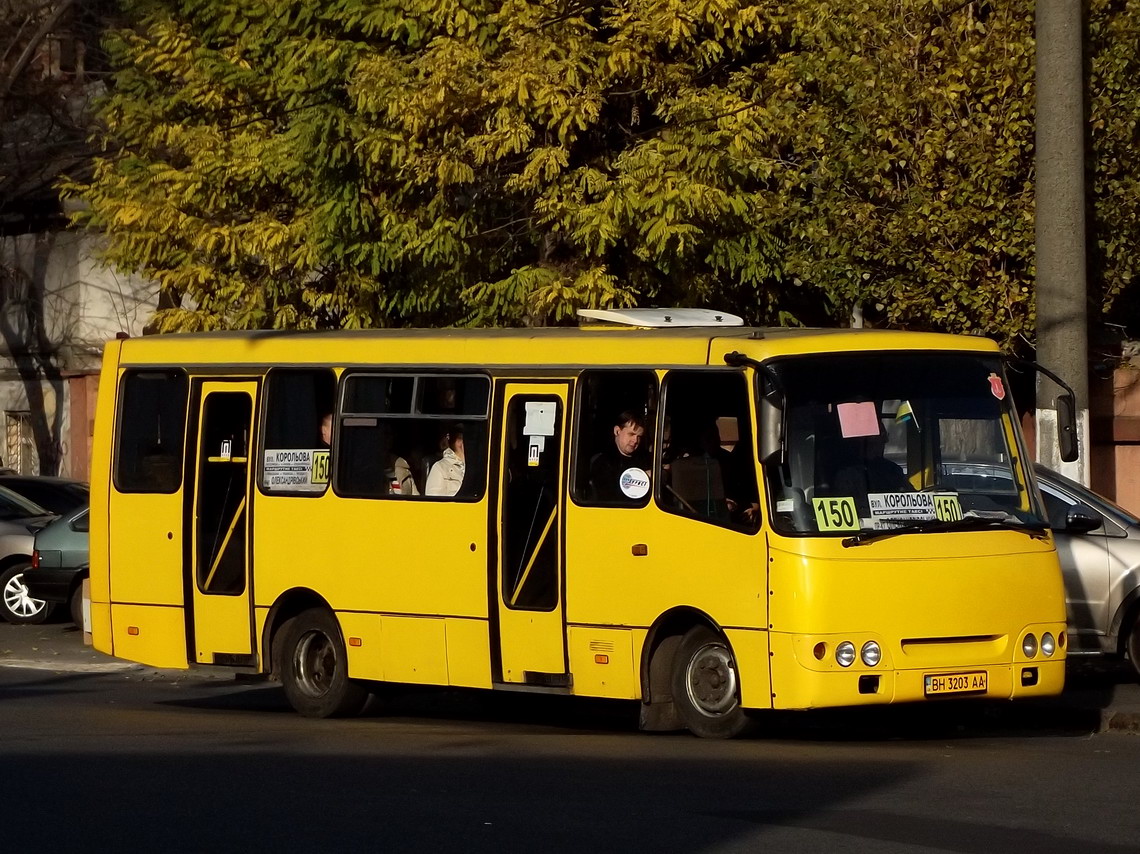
[1098, 543]
[55, 494]
[20, 519]
[59, 563]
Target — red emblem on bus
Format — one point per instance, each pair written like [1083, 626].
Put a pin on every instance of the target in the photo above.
[997, 388]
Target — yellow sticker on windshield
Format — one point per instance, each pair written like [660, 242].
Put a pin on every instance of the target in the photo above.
[835, 514]
[946, 507]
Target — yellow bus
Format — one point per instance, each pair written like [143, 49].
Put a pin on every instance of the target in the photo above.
[662, 506]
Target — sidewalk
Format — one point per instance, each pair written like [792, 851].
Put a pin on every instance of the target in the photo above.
[1104, 691]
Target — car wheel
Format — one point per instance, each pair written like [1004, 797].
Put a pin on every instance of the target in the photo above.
[75, 605]
[1132, 644]
[706, 690]
[16, 606]
[314, 668]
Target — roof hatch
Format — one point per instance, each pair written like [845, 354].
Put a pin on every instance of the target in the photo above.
[657, 318]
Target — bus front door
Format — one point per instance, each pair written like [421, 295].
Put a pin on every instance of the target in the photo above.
[219, 555]
[532, 647]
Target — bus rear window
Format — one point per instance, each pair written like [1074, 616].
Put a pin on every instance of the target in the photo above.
[151, 431]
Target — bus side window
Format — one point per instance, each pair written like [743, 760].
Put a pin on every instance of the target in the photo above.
[394, 430]
[616, 416]
[708, 470]
[298, 431]
[151, 431]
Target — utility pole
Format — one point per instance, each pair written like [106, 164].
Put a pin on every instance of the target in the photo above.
[1062, 301]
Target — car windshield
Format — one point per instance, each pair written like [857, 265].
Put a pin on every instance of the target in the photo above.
[57, 496]
[13, 506]
[886, 441]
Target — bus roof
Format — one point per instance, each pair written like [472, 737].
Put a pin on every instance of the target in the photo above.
[539, 346]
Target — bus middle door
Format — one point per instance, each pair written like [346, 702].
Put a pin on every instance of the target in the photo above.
[218, 570]
[532, 646]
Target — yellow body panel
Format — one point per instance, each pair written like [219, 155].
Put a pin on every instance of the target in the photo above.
[149, 634]
[603, 662]
[717, 571]
[750, 648]
[414, 650]
[410, 557]
[468, 653]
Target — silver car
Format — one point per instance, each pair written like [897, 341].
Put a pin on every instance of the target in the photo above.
[1098, 543]
[19, 521]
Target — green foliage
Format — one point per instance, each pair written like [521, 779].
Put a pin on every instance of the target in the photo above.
[1114, 111]
[316, 163]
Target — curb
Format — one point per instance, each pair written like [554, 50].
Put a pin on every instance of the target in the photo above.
[1111, 721]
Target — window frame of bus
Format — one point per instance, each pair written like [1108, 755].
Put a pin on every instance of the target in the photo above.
[580, 464]
[121, 404]
[267, 393]
[749, 529]
[416, 414]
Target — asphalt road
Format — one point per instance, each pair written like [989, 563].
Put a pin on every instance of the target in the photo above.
[96, 754]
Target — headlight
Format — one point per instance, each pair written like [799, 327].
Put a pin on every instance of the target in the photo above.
[845, 654]
[1029, 645]
[870, 653]
[1048, 645]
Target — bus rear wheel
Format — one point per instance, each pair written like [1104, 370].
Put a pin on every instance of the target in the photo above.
[706, 691]
[314, 669]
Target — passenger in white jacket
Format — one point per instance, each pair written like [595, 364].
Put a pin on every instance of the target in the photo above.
[446, 476]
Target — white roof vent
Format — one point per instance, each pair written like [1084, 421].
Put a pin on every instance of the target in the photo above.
[658, 318]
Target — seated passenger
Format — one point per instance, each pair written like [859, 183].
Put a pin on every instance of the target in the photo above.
[446, 476]
[399, 475]
[625, 452]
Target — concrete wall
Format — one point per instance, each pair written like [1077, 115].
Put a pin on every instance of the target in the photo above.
[58, 305]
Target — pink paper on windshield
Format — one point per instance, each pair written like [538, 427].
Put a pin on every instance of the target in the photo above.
[857, 419]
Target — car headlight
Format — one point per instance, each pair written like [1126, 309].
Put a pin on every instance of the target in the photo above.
[1029, 645]
[1048, 645]
[870, 653]
[845, 654]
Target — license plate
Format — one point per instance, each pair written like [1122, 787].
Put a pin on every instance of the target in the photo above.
[956, 683]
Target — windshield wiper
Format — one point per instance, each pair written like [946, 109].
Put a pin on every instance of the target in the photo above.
[972, 521]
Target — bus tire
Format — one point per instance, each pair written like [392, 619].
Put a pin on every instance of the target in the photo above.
[314, 668]
[706, 690]
[16, 606]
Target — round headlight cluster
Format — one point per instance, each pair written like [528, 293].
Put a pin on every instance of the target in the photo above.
[1047, 647]
[1029, 645]
[845, 654]
[871, 654]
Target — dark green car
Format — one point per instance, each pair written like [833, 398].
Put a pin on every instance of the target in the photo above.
[59, 563]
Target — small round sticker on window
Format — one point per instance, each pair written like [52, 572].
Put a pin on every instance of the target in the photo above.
[634, 483]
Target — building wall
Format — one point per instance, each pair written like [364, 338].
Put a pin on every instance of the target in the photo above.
[58, 305]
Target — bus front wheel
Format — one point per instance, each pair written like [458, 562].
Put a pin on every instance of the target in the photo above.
[314, 671]
[706, 691]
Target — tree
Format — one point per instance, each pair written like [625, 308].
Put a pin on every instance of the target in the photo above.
[367, 162]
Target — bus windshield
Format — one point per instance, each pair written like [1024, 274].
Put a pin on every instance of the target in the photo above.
[890, 441]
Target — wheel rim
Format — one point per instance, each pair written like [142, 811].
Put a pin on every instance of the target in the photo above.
[17, 600]
[710, 680]
[314, 663]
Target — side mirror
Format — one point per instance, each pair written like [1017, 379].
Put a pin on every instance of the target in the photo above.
[1067, 427]
[1078, 521]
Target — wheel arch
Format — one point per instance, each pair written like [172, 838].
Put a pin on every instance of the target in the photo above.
[661, 642]
[1126, 613]
[288, 605]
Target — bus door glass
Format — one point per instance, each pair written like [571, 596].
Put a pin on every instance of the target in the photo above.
[219, 555]
[529, 577]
